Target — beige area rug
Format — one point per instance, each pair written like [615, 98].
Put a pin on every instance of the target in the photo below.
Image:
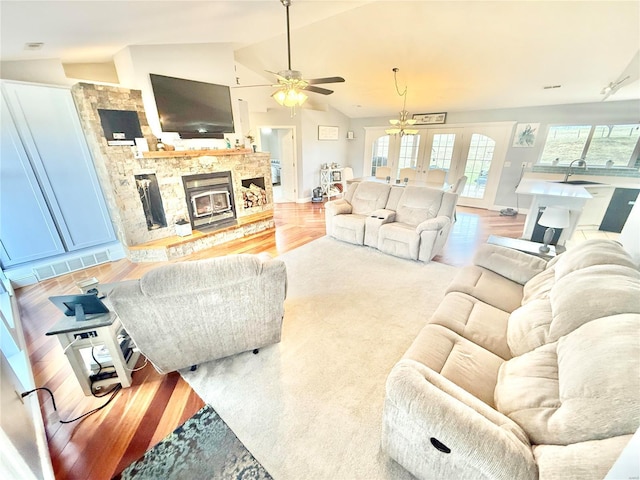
[310, 407]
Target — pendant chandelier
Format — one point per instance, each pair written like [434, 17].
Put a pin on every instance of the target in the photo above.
[401, 126]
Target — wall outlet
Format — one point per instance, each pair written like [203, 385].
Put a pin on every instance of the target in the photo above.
[507, 164]
[523, 164]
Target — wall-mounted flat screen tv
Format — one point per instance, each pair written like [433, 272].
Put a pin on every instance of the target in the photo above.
[191, 108]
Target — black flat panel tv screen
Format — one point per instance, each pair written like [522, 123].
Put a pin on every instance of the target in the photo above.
[193, 109]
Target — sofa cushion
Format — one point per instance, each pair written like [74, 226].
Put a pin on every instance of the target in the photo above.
[488, 287]
[349, 228]
[399, 240]
[593, 292]
[369, 196]
[418, 204]
[575, 299]
[567, 391]
[528, 326]
[479, 322]
[539, 286]
[462, 362]
[590, 460]
[592, 252]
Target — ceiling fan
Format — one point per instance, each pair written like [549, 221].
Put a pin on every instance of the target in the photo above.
[629, 75]
[291, 83]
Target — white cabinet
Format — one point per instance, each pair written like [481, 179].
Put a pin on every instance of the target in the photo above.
[595, 208]
[331, 182]
[50, 198]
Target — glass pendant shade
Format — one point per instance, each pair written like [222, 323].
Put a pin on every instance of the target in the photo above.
[289, 97]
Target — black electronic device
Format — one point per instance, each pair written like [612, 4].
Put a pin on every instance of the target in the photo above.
[120, 127]
[80, 305]
[193, 109]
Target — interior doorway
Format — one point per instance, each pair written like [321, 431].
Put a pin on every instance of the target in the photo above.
[279, 142]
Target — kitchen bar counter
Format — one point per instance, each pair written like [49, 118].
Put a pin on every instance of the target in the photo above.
[547, 194]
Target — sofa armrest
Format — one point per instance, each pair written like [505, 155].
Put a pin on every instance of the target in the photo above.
[433, 224]
[337, 207]
[435, 429]
[386, 216]
[513, 264]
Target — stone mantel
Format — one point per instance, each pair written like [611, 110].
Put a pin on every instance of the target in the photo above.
[197, 153]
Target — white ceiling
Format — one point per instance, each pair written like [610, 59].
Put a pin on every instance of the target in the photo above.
[453, 55]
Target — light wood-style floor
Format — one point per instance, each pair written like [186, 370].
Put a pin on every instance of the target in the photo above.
[102, 445]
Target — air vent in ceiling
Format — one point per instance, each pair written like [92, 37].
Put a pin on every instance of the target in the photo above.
[33, 45]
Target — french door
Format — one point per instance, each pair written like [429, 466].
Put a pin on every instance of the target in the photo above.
[477, 151]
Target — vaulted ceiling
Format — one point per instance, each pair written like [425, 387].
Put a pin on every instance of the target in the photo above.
[452, 55]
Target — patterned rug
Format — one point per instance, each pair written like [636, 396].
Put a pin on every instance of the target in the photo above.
[204, 447]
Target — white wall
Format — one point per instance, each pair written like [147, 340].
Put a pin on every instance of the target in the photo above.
[316, 152]
[204, 62]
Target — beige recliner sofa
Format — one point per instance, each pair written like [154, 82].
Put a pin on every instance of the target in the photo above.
[405, 221]
[526, 370]
[187, 313]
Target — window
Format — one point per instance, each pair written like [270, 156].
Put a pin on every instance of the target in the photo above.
[380, 153]
[408, 151]
[597, 144]
[442, 150]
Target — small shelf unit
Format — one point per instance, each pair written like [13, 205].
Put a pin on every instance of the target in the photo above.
[331, 182]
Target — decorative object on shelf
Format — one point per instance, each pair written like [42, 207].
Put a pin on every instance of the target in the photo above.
[429, 118]
[609, 163]
[525, 135]
[401, 126]
[552, 217]
[327, 132]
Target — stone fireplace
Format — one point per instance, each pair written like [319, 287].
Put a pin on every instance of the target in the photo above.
[122, 175]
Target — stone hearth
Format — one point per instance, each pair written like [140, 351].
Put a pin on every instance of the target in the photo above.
[117, 168]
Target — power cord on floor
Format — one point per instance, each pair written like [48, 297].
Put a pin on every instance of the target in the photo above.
[113, 393]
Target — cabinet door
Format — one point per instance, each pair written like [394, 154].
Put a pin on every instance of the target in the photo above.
[27, 229]
[51, 133]
[619, 209]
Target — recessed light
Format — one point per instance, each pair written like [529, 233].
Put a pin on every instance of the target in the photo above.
[549, 87]
[33, 45]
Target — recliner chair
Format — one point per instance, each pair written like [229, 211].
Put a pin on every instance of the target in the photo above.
[423, 218]
[345, 218]
[186, 313]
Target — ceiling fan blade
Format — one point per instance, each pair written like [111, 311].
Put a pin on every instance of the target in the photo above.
[250, 86]
[317, 81]
[629, 75]
[322, 91]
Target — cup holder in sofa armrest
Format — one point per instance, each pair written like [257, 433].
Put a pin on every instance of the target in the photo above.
[439, 445]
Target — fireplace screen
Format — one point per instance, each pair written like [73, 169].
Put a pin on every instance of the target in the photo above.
[211, 202]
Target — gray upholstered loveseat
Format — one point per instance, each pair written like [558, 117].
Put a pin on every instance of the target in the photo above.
[526, 370]
[406, 221]
[187, 313]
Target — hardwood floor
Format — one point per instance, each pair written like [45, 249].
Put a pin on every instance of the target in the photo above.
[103, 444]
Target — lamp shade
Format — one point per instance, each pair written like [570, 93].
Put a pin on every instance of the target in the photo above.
[554, 217]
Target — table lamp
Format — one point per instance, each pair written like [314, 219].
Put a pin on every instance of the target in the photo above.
[552, 218]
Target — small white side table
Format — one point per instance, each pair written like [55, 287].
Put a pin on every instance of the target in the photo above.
[78, 338]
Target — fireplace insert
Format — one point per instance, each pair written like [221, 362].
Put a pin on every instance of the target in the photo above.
[210, 200]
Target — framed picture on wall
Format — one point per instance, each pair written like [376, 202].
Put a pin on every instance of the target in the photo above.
[526, 134]
[326, 132]
[429, 118]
